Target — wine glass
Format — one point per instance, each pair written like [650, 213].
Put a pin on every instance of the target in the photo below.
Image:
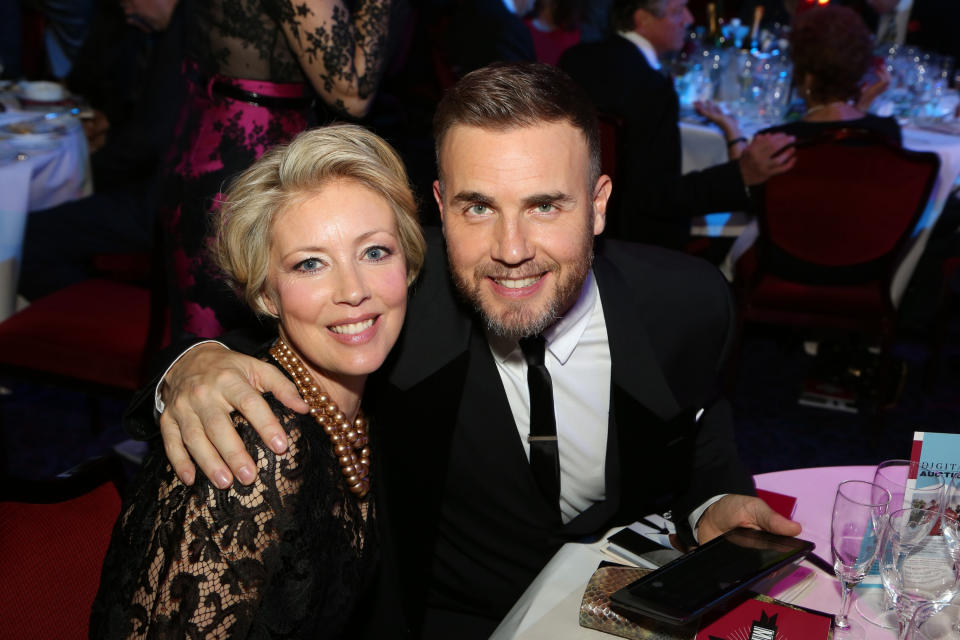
[901, 479]
[951, 494]
[935, 621]
[854, 527]
[918, 560]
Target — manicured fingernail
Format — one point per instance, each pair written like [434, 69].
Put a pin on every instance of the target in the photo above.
[278, 444]
[245, 474]
[187, 477]
[221, 479]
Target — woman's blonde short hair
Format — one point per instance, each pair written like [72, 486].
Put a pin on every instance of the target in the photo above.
[287, 174]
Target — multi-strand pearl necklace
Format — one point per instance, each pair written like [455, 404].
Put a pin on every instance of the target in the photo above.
[349, 440]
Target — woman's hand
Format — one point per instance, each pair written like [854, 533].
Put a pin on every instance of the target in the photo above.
[96, 128]
[869, 92]
[201, 390]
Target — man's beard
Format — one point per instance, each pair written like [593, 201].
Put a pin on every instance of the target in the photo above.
[516, 320]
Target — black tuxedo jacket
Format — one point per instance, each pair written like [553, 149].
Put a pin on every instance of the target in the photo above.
[651, 201]
[465, 527]
[462, 501]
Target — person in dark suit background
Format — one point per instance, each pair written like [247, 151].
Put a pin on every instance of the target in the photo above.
[653, 202]
[634, 337]
[483, 31]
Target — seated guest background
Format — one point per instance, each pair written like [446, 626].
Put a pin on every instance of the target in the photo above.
[832, 50]
[483, 31]
[653, 202]
[324, 228]
[132, 79]
[627, 338]
[555, 27]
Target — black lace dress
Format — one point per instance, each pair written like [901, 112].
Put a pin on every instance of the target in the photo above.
[252, 69]
[290, 556]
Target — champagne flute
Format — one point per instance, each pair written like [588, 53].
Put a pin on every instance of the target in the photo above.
[901, 479]
[918, 560]
[854, 527]
[935, 621]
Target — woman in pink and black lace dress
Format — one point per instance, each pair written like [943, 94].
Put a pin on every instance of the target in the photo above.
[255, 69]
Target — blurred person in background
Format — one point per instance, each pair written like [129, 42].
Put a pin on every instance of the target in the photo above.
[653, 200]
[129, 74]
[555, 27]
[254, 70]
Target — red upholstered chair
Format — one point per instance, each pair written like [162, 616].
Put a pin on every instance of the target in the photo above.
[611, 128]
[54, 536]
[830, 233]
[96, 331]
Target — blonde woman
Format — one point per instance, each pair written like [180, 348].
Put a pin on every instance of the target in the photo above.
[322, 236]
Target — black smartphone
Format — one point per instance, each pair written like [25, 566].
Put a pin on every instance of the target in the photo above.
[635, 543]
[710, 575]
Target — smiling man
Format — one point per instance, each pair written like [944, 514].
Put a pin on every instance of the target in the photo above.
[478, 496]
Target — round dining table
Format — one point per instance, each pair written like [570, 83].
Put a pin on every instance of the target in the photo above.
[37, 171]
[549, 608]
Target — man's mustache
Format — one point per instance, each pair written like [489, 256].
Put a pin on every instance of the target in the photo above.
[506, 273]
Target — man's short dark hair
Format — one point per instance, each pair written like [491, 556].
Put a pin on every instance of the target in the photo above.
[621, 12]
[504, 95]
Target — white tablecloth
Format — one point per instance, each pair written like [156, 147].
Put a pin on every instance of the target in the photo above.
[35, 174]
[549, 608]
[704, 146]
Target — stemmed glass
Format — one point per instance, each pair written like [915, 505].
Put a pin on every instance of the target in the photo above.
[918, 560]
[854, 527]
[900, 478]
[951, 494]
[935, 621]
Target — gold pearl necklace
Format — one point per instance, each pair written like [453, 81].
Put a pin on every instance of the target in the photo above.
[350, 441]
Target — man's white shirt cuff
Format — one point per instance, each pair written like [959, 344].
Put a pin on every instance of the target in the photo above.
[695, 515]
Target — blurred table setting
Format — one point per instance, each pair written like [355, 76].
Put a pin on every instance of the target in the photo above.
[44, 161]
[550, 606]
[755, 86]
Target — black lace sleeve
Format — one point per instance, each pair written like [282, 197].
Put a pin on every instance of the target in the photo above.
[341, 52]
[284, 557]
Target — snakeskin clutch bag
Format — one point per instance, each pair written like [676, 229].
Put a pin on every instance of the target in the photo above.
[596, 612]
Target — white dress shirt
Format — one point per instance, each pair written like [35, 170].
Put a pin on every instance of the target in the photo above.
[578, 359]
[645, 47]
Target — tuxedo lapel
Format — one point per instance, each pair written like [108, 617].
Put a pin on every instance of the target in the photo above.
[437, 330]
[634, 365]
[651, 436]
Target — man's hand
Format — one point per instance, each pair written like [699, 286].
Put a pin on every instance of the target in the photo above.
[733, 511]
[200, 392]
[767, 155]
[726, 121]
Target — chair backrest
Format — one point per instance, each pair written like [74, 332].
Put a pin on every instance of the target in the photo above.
[845, 209]
[611, 128]
[54, 536]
